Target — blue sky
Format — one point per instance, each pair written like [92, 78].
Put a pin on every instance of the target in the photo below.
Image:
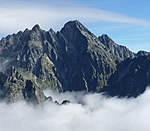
[127, 22]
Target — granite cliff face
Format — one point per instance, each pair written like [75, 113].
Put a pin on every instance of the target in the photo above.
[70, 59]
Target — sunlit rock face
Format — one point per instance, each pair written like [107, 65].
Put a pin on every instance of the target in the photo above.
[70, 59]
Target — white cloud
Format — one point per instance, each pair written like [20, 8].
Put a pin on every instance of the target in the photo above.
[97, 114]
[17, 16]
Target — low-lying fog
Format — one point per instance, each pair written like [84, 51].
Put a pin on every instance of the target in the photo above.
[96, 113]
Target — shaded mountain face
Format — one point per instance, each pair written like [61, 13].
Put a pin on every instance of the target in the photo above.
[121, 52]
[70, 59]
[88, 64]
[131, 78]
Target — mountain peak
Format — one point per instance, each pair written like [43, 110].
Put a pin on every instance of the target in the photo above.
[105, 35]
[36, 28]
[119, 51]
[75, 29]
[74, 25]
[106, 40]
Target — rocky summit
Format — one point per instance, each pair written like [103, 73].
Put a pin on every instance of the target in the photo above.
[72, 59]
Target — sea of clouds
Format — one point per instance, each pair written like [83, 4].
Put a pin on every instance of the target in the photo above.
[86, 112]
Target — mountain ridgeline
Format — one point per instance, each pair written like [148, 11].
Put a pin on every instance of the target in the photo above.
[72, 59]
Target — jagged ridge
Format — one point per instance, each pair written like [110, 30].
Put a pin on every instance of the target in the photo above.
[71, 59]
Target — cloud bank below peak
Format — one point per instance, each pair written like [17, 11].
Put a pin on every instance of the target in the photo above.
[20, 14]
[97, 113]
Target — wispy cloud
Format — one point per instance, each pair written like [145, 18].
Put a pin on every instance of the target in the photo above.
[17, 16]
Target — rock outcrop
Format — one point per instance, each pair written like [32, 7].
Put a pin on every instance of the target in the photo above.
[143, 53]
[17, 87]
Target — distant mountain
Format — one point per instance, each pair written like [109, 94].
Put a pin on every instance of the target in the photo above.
[121, 52]
[70, 59]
